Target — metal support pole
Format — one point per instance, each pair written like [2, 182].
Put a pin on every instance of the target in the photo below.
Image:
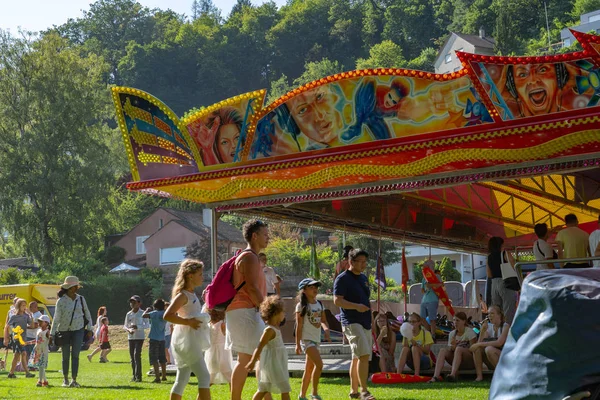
[214, 218]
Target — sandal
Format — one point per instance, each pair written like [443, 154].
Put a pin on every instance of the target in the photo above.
[315, 397]
[435, 379]
[366, 396]
[354, 395]
[450, 378]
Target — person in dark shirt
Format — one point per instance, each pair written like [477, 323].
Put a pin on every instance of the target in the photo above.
[351, 293]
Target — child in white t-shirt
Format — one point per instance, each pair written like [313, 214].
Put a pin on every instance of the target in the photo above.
[310, 317]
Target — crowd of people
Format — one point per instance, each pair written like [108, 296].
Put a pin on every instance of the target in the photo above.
[201, 341]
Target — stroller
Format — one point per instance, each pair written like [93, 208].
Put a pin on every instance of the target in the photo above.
[552, 349]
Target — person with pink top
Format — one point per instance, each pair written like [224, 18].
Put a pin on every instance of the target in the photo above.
[244, 325]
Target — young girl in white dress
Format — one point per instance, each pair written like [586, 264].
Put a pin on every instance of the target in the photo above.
[273, 376]
[218, 360]
[191, 333]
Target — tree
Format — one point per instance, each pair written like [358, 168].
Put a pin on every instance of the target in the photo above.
[390, 253]
[205, 8]
[581, 7]
[54, 145]
[239, 6]
[448, 272]
[386, 54]
[314, 70]
[201, 250]
[425, 61]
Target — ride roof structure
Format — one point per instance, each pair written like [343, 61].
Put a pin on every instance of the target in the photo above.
[450, 160]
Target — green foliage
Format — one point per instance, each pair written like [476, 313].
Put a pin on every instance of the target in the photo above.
[390, 253]
[292, 257]
[583, 7]
[386, 54]
[448, 272]
[114, 255]
[11, 276]
[314, 70]
[54, 145]
[114, 291]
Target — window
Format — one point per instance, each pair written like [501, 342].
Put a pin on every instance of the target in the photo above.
[448, 58]
[160, 223]
[140, 248]
[567, 42]
[172, 255]
[594, 18]
[453, 262]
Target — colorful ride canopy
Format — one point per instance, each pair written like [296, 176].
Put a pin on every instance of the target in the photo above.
[385, 132]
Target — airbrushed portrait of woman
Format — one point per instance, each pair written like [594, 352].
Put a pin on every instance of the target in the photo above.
[217, 135]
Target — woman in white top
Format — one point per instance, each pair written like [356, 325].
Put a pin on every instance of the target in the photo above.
[491, 340]
[458, 352]
[71, 318]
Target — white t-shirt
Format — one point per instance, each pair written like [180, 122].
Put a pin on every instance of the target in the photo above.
[464, 339]
[311, 327]
[545, 253]
[32, 333]
[270, 278]
[594, 240]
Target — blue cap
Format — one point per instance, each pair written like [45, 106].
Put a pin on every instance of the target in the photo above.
[308, 282]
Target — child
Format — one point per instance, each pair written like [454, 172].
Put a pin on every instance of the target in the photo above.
[310, 316]
[218, 360]
[23, 320]
[386, 341]
[98, 326]
[157, 338]
[40, 352]
[103, 340]
[188, 342]
[273, 376]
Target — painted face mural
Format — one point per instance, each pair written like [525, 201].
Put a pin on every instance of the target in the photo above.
[537, 88]
[354, 111]
[526, 90]
[315, 114]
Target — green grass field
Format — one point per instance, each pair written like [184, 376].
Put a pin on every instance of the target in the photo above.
[111, 381]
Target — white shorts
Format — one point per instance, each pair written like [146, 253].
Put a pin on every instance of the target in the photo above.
[244, 327]
[307, 344]
[361, 340]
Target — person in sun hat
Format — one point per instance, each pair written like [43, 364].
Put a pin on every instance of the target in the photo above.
[71, 318]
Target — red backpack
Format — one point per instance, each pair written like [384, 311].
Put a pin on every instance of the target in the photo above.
[220, 292]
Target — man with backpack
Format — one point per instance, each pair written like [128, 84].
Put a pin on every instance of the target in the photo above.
[243, 322]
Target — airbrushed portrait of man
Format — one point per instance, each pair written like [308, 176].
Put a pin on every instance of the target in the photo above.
[537, 88]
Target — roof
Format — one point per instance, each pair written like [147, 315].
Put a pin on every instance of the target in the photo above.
[16, 262]
[192, 220]
[475, 40]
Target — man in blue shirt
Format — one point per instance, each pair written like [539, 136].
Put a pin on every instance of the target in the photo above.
[157, 338]
[351, 293]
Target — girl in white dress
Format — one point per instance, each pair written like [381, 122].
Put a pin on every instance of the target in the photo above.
[273, 376]
[218, 360]
[191, 333]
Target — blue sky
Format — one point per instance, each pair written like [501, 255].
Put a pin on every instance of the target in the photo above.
[36, 15]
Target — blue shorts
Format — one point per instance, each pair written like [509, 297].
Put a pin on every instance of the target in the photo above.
[429, 310]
